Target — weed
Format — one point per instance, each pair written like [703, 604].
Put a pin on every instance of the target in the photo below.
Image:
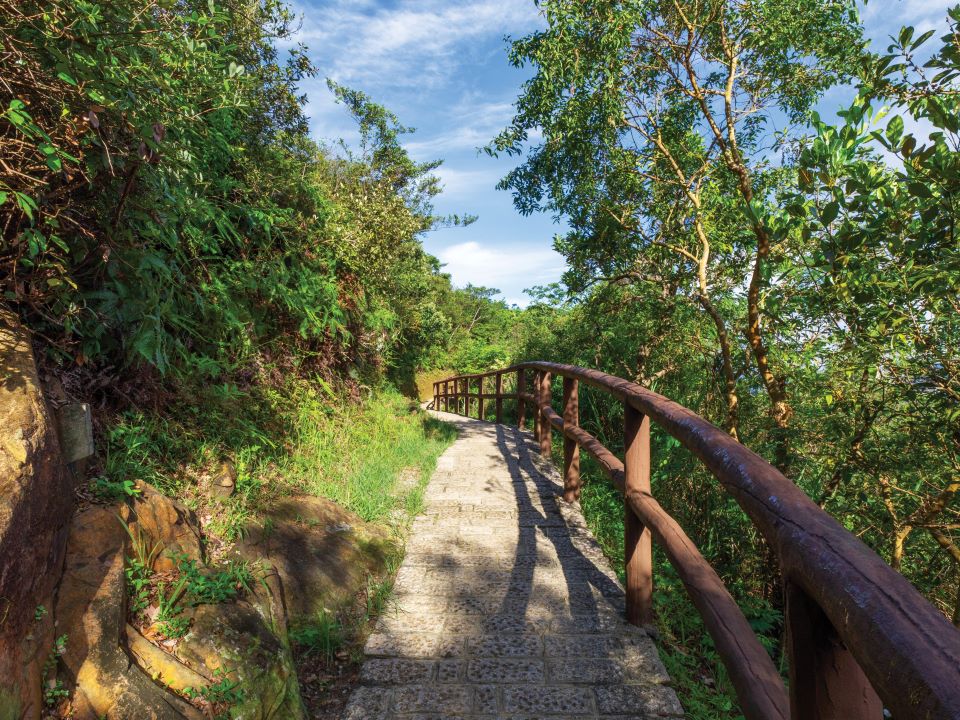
[139, 569]
[324, 636]
[53, 690]
[143, 555]
[39, 613]
[109, 491]
[221, 694]
[214, 587]
[169, 620]
[377, 596]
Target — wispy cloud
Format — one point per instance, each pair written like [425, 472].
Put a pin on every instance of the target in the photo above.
[411, 43]
[459, 183]
[471, 262]
[473, 124]
[884, 19]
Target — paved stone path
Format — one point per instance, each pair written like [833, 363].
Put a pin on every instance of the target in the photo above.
[505, 606]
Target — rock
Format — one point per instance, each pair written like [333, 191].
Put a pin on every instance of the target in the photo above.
[224, 481]
[36, 499]
[90, 610]
[160, 519]
[161, 666]
[322, 552]
[231, 640]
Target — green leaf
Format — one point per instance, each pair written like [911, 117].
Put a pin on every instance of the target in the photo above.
[829, 212]
[66, 78]
[895, 130]
[26, 203]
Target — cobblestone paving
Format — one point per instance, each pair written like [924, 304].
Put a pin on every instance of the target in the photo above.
[504, 606]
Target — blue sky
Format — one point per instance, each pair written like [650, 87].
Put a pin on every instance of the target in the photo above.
[441, 66]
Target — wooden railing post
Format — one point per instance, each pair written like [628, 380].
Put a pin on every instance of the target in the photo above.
[521, 403]
[545, 427]
[465, 397]
[571, 451]
[436, 396]
[638, 556]
[499, 392]
[480, 397]
[536, 409]
[825, 680]
[446, 396]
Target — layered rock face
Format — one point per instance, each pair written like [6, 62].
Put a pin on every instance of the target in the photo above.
[36, 498]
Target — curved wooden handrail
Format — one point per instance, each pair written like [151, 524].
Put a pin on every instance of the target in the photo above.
[856, 628]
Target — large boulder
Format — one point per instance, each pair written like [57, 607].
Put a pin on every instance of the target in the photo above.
[322, 553]
[36, 499]
[91, 611]
[118, 672]
[232, 641]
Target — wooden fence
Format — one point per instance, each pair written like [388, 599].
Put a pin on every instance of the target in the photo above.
[860, 638]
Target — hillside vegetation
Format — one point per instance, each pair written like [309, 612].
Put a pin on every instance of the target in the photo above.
[236, 301]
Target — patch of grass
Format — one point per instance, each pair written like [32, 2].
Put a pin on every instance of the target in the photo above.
[211, 587]
[356, 457]
[323, 636]
[297, 437]
[170, 622]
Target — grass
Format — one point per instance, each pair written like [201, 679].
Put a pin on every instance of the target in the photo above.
[357, 457]
[292, 436]
[300, 437]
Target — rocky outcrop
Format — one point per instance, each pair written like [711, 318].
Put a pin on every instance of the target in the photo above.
[322, 552]
[36, 498]
[232, 641]
[118, 673]
[165, 521]
[91, 611]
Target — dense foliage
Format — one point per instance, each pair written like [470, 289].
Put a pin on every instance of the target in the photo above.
[792, 279]
[163, 206]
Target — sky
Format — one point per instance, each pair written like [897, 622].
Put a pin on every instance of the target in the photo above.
[441, 66]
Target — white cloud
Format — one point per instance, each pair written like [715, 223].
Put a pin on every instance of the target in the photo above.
[884, 18]
[474, 123]
[412, 44]
[471, 262]
[467, 183]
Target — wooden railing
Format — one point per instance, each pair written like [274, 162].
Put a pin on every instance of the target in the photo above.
[860, 638]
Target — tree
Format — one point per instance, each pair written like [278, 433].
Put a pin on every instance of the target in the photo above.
[654, 118]
[880, 281]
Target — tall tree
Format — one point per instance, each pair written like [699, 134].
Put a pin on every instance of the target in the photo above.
[656, 121]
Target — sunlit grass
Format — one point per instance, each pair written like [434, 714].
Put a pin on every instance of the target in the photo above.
[372, 456]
